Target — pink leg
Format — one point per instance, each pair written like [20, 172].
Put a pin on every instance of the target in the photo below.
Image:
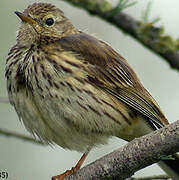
[74, 169]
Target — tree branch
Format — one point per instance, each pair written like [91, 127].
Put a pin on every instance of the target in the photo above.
[146, 33]
[137, 154]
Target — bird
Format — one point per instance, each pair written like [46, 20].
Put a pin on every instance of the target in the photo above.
[71, 89]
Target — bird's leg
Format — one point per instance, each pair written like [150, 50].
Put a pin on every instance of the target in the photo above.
[73, 169]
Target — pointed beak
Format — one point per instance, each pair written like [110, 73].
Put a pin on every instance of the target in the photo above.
[25, 18]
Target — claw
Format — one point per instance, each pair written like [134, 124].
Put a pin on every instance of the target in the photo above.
[63, 175]
[73, 169]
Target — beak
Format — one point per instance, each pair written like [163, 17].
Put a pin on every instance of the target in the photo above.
[25, 18]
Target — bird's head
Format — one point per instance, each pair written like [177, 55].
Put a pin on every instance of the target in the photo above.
[42, 20]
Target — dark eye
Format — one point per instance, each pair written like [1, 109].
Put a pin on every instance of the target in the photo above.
[49, 22]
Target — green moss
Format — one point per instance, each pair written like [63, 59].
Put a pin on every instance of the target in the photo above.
[170, 157]
[156, 38]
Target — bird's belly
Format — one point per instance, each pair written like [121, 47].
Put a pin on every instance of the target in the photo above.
[69, 121]
[53, 123]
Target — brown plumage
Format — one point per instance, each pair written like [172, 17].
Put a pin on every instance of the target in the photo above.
[71, 89]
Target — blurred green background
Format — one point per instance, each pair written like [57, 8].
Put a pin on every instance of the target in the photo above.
[26, 161]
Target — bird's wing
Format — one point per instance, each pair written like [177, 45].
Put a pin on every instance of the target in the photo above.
[109, 71]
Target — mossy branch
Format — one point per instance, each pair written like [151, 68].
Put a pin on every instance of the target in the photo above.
[145, 32]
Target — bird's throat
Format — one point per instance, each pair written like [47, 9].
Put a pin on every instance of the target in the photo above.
[27, 36]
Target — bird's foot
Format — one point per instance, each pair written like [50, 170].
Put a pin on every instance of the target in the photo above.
[63, 175]
[73, 169]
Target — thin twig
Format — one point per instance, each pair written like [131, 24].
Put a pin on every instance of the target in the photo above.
[160, 177]
[8, 133]
[4, 100]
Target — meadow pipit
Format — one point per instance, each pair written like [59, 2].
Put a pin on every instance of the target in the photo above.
[72, 89]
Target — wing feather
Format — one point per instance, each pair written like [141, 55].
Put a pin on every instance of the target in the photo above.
[109, 71]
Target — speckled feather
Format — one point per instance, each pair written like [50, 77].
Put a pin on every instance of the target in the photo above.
[73, 90]
[41, 8]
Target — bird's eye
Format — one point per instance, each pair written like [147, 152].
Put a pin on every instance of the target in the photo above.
[49, 22]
